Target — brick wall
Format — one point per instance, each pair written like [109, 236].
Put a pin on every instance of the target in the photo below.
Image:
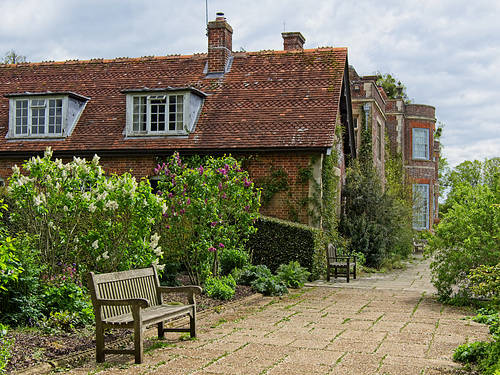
[260, 167]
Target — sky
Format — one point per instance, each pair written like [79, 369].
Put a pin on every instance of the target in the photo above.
[446, 52]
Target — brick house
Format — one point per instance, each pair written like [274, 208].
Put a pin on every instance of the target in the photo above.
[409, 128]
[280, 110]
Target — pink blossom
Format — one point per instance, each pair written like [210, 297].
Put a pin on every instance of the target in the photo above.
[221, 245]
[213, 223]
[212, 249]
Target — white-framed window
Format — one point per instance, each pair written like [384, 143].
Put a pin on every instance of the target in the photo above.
[158, 114]
[162, 112]
[420, 144]
[44, 115]
[420, 206]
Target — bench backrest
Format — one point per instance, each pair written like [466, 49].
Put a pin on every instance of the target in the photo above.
[141, 283]
[331, 251]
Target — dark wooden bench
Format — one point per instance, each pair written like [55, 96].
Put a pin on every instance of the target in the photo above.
[133, 299]
[337, 262]
[419, 245]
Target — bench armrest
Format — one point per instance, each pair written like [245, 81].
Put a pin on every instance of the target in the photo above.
[190, 290]
[140, 302]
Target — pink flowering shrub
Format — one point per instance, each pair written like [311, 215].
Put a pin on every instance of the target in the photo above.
[209, 209]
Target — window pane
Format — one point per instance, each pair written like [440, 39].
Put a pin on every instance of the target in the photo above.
[420, 143]
[21, 117]
[55, 116]
[37, 119]
[421, 206]
[139, 114]
[158, 108]
[176, 110]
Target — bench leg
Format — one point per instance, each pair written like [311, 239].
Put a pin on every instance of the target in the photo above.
[99, 343]
[327, 273]
[136, 313]
[192, 323]
[161, 332]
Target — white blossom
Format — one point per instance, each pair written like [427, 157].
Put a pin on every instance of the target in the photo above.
[48, 153]
[92, 207]
[95, 159]
[112, 205]
[102, 196]
[105, 255]
[95, 244]
[154, 245]
[65, 209]
[51, 225]
[15, 170]
[37, 201]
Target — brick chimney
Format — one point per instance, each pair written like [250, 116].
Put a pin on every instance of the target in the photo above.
[220, 43]
[293, 41]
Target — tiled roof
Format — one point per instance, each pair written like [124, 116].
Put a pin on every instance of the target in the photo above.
[269, 99]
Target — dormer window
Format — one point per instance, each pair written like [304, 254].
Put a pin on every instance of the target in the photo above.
[162, 112]
[44, 115]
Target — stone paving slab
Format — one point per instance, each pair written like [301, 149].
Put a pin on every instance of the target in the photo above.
[376, 324]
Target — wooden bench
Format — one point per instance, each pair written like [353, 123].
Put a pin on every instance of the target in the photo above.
[133, 299]
[342, 263]
[418, 245]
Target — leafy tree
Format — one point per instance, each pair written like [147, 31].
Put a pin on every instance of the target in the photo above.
[13, 57]
[467, 235]
[376, 220]
[473, 173]
[392, 86]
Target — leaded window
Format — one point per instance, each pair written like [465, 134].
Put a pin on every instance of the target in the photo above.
[420, 206]
[420, 143]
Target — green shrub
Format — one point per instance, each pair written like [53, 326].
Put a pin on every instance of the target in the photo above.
[58, 321]
[293, 275]
[278, 242]
[65, 293]
[269, 286]
[485, 282]
[471, 353]
[251, 273]
[491, 318]
[231, 259]
[222, 288]
[486, 355]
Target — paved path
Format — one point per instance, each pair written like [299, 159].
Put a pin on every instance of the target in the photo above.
[378, 324]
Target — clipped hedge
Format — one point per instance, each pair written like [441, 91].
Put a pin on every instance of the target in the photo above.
[280, 242]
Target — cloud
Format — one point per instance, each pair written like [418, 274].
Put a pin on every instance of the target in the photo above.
[446, 52]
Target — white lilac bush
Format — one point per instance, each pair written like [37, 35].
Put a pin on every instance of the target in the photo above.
[77, 215]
